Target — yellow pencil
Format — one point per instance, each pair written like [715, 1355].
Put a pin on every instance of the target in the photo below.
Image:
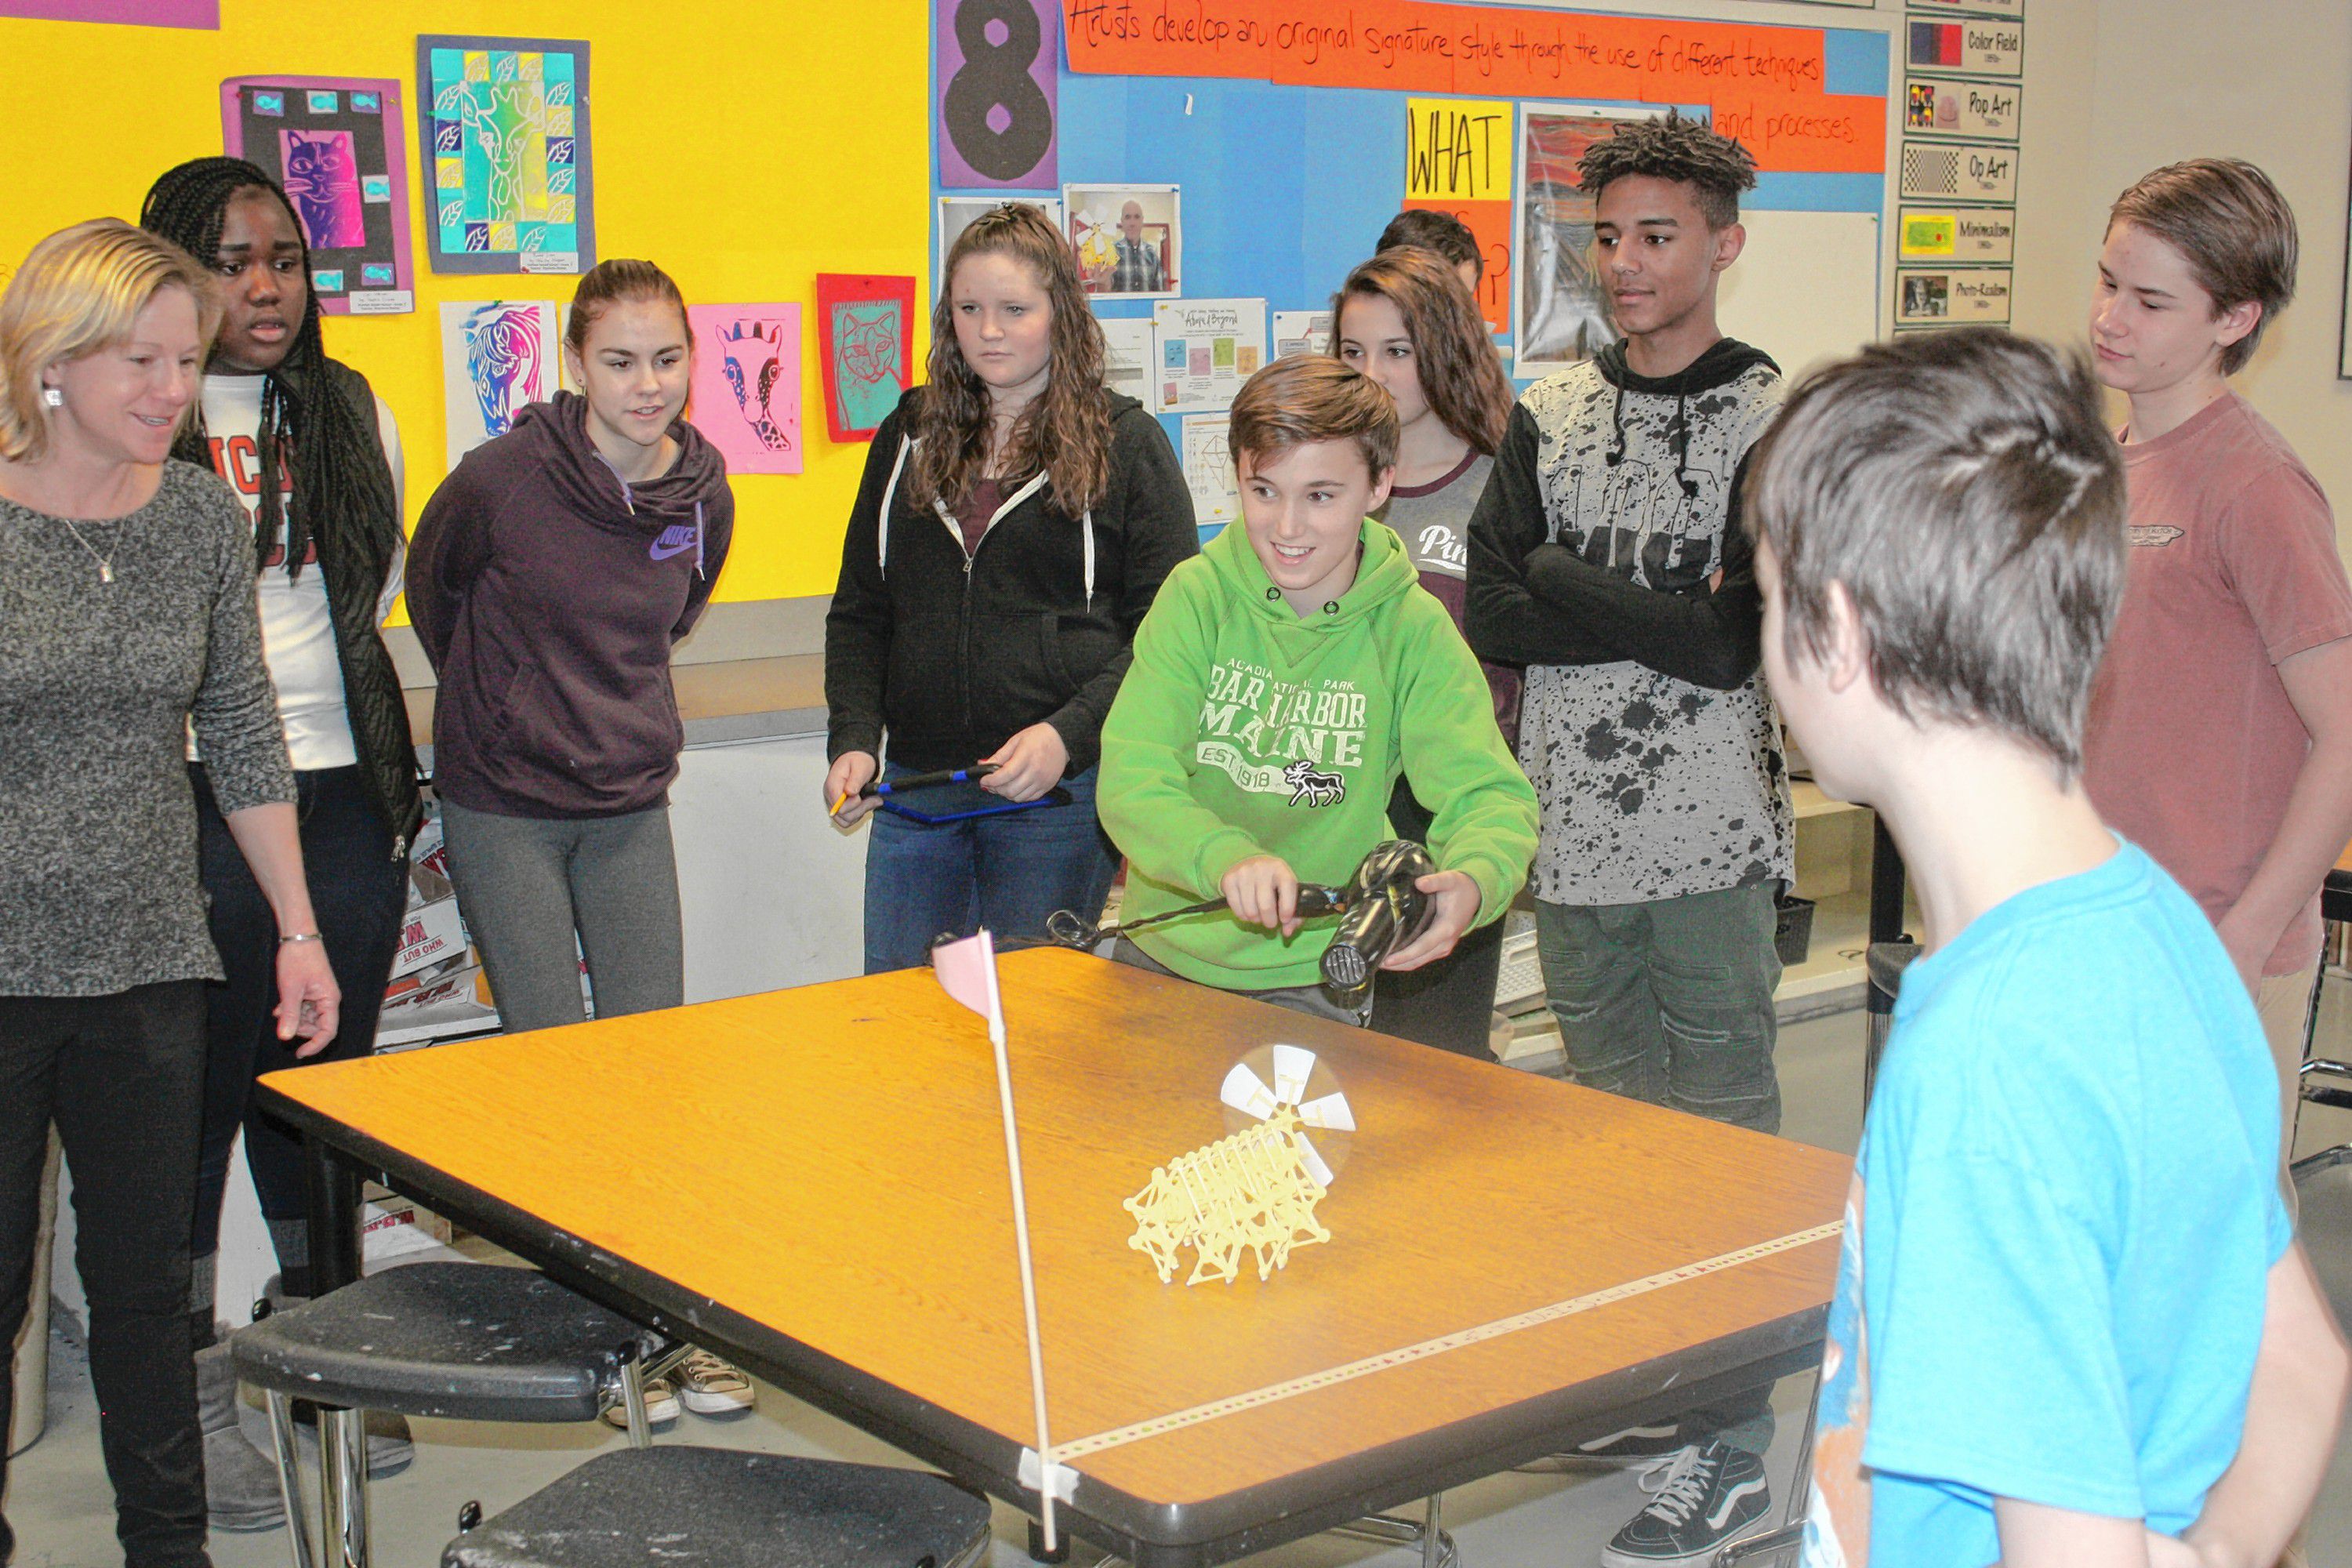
[838, 804]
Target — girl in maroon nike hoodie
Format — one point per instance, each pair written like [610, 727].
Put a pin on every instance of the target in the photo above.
[550, 576]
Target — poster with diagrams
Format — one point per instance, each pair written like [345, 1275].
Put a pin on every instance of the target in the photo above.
[1127, 357]
[335, 145]
[1209, 470]
[505, 125]
[1301, 333]
[1203, 350]
[497, 357]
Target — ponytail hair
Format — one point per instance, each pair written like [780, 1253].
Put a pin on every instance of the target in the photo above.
[609, 283]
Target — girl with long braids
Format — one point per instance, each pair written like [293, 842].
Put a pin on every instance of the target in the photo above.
[1015, 521]
[314, 456]
[1406, 319]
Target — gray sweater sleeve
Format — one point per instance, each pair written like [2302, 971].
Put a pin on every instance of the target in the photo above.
[236, 709]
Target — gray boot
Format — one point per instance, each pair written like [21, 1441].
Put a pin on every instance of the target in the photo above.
[240, 1483]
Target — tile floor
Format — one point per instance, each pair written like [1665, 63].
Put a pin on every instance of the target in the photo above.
[59, 1504]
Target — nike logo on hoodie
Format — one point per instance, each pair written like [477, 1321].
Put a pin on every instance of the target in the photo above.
[676, 540]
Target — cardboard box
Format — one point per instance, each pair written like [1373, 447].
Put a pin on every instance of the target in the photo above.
[428, 935]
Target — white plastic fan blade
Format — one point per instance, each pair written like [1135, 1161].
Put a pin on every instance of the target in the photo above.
[1331, 1110]
[1247, 1093]
[1293, 1066]
[1315, 1165]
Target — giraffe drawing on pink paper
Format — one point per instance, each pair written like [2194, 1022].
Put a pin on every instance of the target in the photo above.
[752, 355]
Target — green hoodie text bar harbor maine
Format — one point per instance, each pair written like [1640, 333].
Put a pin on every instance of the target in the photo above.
[1244, 729]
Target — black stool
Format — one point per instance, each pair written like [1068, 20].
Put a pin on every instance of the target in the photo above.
[720, 1508]
[465, 1341]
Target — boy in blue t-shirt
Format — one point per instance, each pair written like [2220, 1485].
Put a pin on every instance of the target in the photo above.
[2071, 1325]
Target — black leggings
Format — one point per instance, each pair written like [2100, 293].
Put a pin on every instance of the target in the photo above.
[360, 893]
[120, 1076]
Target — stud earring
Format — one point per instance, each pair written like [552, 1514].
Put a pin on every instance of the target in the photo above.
[53, 396]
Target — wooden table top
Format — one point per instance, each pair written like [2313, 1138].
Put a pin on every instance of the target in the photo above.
[829, 1198]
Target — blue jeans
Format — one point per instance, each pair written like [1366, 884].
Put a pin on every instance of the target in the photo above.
[924, 880]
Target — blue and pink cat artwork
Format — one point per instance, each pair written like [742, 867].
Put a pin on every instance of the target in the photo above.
[323, 179]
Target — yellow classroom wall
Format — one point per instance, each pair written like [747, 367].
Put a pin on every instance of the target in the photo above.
[744, 146]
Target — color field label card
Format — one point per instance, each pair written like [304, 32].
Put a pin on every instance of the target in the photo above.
[1991, 45]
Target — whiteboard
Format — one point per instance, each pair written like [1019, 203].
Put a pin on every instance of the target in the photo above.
[1806, 288]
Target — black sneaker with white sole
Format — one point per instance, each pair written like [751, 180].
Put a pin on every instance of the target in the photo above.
[1634, 1446]
[1706, 1498]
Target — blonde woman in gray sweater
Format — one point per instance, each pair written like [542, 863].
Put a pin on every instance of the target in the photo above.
[127, 612]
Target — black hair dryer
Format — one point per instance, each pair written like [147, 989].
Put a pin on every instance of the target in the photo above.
[1386, 909]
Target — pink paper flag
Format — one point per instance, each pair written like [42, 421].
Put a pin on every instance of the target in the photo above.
[967, 972]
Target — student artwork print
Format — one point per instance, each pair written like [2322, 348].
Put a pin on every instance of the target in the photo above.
[1130, 239]
[505, 125]
[1562, 313]
[203, 15]
[335, 144]
[746, 394]
[998, 117]
[497, 357]
[868, 326]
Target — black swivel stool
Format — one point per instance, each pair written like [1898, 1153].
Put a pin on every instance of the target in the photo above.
[720, 1508]
[462, 1341]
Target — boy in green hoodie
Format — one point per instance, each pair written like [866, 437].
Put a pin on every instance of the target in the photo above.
[1282, 683]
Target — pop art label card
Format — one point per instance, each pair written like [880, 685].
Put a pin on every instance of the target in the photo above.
[867, 324]
[747, 385]
[504, 122]
[334, 144]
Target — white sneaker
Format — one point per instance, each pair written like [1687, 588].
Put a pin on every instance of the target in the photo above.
[661, 1405]
[709, 1387]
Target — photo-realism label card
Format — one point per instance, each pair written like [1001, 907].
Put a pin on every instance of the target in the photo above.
[1951, 297]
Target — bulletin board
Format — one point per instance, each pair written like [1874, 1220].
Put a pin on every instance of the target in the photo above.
[745, 146]
[1285, 127]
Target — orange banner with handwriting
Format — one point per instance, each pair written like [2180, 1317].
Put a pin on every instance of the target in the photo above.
[1764, 84]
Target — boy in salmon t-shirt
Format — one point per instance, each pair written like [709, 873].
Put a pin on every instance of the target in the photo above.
[2220, 731]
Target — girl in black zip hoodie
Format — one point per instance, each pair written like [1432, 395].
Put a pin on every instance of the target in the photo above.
[1015, 522]
[549, 578]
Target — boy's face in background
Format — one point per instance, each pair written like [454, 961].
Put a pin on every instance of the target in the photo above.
[1303, 511]
[2153, 325]
[1654, 255]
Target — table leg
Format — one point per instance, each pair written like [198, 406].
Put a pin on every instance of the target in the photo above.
[1433, 1540]
[343, 1456]
[334, 1194]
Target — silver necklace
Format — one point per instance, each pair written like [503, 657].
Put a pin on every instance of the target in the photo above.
[105, 562]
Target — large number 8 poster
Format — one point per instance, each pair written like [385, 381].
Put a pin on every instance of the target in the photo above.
[997, 96]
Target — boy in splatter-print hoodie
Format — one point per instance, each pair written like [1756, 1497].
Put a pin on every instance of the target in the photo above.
[1606, 555]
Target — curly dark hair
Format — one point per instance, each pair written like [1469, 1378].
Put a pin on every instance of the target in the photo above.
[1066, 431]
[1717, 168]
